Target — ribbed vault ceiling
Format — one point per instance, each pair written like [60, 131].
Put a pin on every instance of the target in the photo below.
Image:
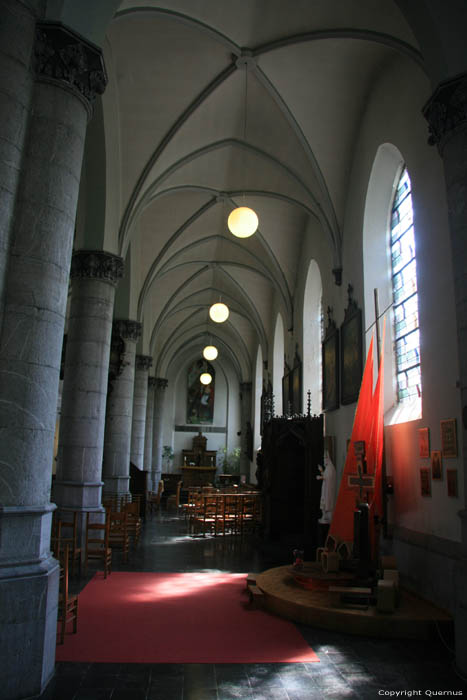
[182, 154]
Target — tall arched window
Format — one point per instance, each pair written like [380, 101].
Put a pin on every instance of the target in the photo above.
[278, 364]
[405, 296]
[312, 336]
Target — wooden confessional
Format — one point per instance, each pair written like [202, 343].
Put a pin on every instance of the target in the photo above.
[291, 450]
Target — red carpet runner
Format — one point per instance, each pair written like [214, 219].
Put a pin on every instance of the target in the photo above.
[178, 618]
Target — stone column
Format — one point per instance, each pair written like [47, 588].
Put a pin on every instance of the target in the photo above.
[118, 420]
[17, 29]
[78, 483]
[159, 399]
[446, 113]
[246, 429]
[140, 397]
[68, 72]
[149, 432]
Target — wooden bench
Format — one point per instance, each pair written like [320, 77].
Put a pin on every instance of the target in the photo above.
[256, 596]
[251, 580]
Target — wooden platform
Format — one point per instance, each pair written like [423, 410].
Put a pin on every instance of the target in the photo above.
[414, 618]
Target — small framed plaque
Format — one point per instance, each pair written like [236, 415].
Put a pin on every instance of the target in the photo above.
[449, 437]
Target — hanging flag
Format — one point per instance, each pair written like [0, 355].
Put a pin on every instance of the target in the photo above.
[375, 452]
[343, 517]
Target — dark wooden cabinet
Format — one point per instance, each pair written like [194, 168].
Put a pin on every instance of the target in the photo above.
[291, 450]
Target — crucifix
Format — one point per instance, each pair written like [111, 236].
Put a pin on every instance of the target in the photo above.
[361, 481]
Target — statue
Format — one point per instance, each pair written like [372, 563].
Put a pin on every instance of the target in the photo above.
[328, 488]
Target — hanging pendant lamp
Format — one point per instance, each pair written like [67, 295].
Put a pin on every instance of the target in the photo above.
[205, 378]
[243, 221]
[219, 312]
[210, 352]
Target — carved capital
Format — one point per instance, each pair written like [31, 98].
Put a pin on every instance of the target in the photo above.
[446, 110]
[65, 57]
[128, 330]
[96, 265]
[151, 382]
[143, 362]
[161, 383]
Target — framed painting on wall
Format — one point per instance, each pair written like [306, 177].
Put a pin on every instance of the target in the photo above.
[436, 465]
[330, 368]
[200, 397]
[286, 399]
[449, 438]
[351, 352]
[424, 442]
[296, 389]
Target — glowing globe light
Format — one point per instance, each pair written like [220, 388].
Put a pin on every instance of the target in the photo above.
[205, 378]
[210, 352]
[242, 222]
[219, 312]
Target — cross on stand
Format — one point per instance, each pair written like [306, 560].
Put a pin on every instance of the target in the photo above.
[361, 481]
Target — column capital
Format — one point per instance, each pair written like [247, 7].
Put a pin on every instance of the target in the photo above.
[143, 362]
[245, 386]
[446, 110]
[152, 382]
[64, 57]
[126, 329]
[161, 383]
[96, 265]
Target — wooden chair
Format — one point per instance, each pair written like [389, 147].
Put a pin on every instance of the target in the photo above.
[154, 497]
[67, 604]
[118, 534]
[132, 511]
[173, 501]
[97, 544]
[69, 535]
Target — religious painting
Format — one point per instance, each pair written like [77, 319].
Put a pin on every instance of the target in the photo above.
[449, 438]
[451, 477]
[296, 389]
[200, 397]
[425, 482]
[330, 369]
[286, 395]
[351, 352]
[436, 465]
[424, 442]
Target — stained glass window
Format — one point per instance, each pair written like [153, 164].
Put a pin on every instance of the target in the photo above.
[405, 296]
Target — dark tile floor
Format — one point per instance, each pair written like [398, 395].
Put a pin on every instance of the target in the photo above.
[349, 667]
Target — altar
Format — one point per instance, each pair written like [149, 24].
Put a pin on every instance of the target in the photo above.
[198, 475]
[199, 464]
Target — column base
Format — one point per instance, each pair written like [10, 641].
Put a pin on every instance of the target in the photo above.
[75, 495]
[29, 578]
[116, 486]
